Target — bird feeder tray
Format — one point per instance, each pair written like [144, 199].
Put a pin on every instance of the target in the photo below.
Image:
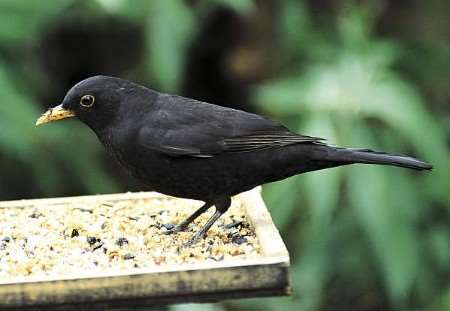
[242, 256]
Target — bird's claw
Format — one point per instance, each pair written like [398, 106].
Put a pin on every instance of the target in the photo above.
[175, 229]
[194, 240]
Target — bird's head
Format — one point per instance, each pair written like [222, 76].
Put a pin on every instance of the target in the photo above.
[95, 101]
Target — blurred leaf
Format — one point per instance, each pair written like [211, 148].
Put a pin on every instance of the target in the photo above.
[322, 187]
[391, 234]
[397, 104]
[356, 86]
[20, 21]
[283, 191]
[135, 12]
[170, 26]
[20, 138]
[439, 240]
[321, 190]
[18, 118]
[281, 97]
[240, 6]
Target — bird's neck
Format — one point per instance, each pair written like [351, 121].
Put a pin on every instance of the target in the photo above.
[114, 140]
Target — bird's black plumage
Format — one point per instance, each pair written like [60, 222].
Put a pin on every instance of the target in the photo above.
[191, 149]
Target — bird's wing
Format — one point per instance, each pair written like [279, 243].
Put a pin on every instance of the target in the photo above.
[186, 127]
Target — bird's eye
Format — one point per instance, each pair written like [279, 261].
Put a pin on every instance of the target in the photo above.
[87, 101]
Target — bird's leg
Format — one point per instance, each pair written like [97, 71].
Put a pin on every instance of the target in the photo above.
[221, 207]
[199, 234]
[185, 223]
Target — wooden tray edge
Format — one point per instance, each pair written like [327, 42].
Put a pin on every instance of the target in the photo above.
[272, 268]
[271, 243]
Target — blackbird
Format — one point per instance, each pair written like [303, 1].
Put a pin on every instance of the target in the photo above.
[192, 149]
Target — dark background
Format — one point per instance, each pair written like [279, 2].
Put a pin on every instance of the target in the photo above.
[370, 74]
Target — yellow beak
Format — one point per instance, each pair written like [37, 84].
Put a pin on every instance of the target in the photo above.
[54, 114]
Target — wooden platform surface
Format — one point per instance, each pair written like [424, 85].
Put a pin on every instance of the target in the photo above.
[205, 282]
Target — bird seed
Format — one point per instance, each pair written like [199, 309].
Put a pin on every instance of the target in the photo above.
[98, 236]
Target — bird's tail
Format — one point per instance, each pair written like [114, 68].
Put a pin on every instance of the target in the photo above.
[367, 156]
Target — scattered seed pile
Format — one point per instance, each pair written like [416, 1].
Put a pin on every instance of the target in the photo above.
[115, 236]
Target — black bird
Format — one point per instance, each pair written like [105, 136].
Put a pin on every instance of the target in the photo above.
[191, 149]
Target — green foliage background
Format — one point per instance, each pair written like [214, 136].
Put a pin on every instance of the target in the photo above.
[363, 238]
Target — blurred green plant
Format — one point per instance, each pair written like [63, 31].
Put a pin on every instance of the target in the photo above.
[21, 143]
[169, 24]
[349, 93]
[364, 232]
[43, 168]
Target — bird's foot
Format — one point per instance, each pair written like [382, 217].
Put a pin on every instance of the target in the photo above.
[202, 232]
[174, 229]
[194, 240]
